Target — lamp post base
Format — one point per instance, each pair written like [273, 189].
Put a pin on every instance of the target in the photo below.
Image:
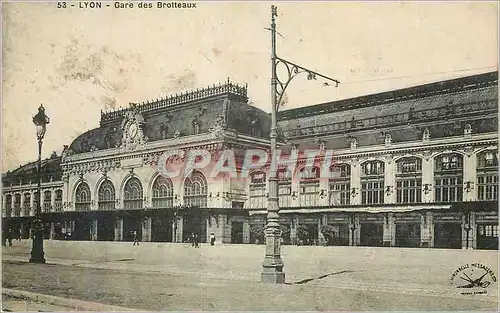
[37, 254]
[272, 276]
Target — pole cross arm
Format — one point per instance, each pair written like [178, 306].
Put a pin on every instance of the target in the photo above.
[292, 71]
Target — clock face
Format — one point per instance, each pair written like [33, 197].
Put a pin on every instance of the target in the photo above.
[132, 130]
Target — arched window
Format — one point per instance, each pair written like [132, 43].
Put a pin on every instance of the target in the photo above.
[27, 204]
[106, 196]
[82, 197]
[487, 175]
[132, 194]
[309, 186]
[284, 187]
[448, 177]
[8, 205]
[17, 204]
[340, 184]
[195, 190]
[163, 193]
[372, 182]
[258, 190]
[58, 200]
[47, 201]
[409, 180]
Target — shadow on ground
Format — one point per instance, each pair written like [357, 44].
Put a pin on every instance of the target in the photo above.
[307, 280]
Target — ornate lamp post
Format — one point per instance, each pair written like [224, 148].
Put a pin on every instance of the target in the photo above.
[37, 255]
[273, 264]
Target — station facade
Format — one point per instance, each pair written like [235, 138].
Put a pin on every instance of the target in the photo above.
[416, 167]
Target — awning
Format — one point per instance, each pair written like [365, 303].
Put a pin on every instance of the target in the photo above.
[372, 210]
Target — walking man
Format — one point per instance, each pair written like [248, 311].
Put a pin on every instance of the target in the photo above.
[196, 241]
[136, 239]
[212, 239]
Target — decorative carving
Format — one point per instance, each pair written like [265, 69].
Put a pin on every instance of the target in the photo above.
[218, 128]
[353, 142]
[388, 139]
[426, 136]
[468, 131]
[133, 131]
[177, 134]
[468, 151]
[427, 155]
[389, 158]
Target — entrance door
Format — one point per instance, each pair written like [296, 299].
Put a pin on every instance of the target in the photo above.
[82, 230]
[131, 224]
[106, 229]
[487, 237]
[194, 223]
[448, 235]
[408, 235]
[161, 229]
[237, 232]
[371, 235]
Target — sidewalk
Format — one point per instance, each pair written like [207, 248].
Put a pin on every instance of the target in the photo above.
[24, 301]
[165, 292]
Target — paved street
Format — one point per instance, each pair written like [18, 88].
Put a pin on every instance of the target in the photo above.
[157, 276]
[12, 304]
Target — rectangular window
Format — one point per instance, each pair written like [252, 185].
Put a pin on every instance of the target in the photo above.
[448, 189]
[409, 190]
[372, 192]
[309, 193]
[257, 196]
[340, 193]
[285, 195]
[487, 186]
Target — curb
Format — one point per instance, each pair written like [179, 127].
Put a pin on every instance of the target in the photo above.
[80, 305]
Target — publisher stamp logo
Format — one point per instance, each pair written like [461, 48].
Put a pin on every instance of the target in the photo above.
[473, 278]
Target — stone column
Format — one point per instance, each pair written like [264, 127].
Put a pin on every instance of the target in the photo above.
[22, 206]
[389, 230]
[427, 178]
[390, 180]
[323, 220]
[220, 234]
[32, 204]
[180, 224]
[94, 230]
[468, 230]
[470, 176]
[426, 230]
[293, 230]
[146, 229]
[119, 230]
[356, 183]
[246, 231]
[52, 199]
[354, 231]
[52, 233]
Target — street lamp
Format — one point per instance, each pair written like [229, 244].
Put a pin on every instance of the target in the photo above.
[273, 264]
[37, 255]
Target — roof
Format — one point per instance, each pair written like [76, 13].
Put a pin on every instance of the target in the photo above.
[443, 112]
[176, 116]
[415, 92]
[50, 170]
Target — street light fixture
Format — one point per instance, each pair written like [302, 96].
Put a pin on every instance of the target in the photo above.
[273, 264]
[37, 255]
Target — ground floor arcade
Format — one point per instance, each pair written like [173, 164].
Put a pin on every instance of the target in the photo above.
[469, 227]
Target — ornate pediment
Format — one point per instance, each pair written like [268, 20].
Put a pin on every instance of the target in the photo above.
[132, 126]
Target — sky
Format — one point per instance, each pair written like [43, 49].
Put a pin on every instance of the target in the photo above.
[78, 62]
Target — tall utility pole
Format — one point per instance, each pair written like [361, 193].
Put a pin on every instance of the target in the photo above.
[273, 264]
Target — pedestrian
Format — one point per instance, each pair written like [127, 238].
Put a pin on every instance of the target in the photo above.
[20, 235]
[136, 239]
[9, 237]
[192, 239]
[196, 241]
[212, 239]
